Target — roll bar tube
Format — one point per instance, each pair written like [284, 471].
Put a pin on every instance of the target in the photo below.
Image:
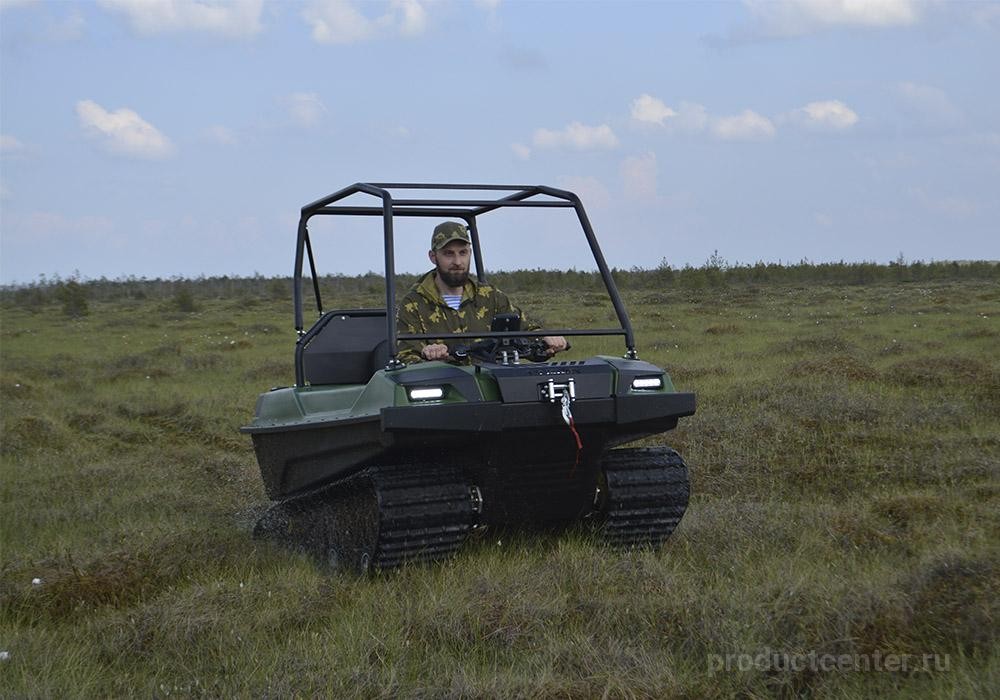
[466, 209]
[477, 252]
[602, 265]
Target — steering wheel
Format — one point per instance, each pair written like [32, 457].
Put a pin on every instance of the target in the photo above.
[491, 349]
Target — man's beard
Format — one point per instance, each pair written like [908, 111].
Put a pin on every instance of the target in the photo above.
[454, 278]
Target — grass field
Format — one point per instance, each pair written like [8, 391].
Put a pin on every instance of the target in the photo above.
[841, 541]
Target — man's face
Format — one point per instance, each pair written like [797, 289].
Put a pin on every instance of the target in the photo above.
[452, 263]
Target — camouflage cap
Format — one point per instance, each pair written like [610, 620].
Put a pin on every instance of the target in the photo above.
[447, 232]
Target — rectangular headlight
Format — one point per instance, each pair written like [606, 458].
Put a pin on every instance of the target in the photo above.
[647, 383]
[426, 393]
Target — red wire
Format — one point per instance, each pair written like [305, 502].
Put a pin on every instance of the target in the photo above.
[579, 444]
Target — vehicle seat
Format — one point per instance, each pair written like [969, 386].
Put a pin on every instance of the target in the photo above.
[345, 347]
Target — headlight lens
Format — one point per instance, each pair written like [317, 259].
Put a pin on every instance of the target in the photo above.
[426, 393]
[647, 383]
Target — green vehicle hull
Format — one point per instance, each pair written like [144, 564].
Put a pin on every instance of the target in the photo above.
[518, 449]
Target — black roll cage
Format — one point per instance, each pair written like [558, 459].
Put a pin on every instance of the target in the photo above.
[466, 209]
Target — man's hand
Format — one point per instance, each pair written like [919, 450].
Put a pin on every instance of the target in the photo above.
[435, 351]
[556, 343]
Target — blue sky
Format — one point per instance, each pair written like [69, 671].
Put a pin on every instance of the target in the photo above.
[180, 137]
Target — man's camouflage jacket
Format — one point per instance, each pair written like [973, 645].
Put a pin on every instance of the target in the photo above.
[423, 310]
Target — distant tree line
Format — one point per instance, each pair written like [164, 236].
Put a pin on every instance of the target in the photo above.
[186, 295]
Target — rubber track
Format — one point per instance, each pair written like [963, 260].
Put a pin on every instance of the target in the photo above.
[646, 494]
[425, 513]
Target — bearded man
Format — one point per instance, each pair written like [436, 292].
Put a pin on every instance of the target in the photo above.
[446, 300]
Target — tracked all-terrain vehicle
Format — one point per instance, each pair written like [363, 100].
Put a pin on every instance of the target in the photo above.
[374, 463]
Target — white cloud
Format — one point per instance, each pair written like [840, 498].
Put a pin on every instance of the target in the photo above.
[786, 18]
[578, 136]
[305, 108]
[123, 131]
[9, 144]
[651, 110]
[521, 151]
[343, 22]
[639, 176]
[826, 114]
[337, 22]
[591, 191]
[409, 16]
[234, 18]
[693, 118]
[932, 105]
[746, 126]
[689, 117]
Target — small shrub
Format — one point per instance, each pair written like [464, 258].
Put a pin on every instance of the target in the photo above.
[73, 298]
[184, 300]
